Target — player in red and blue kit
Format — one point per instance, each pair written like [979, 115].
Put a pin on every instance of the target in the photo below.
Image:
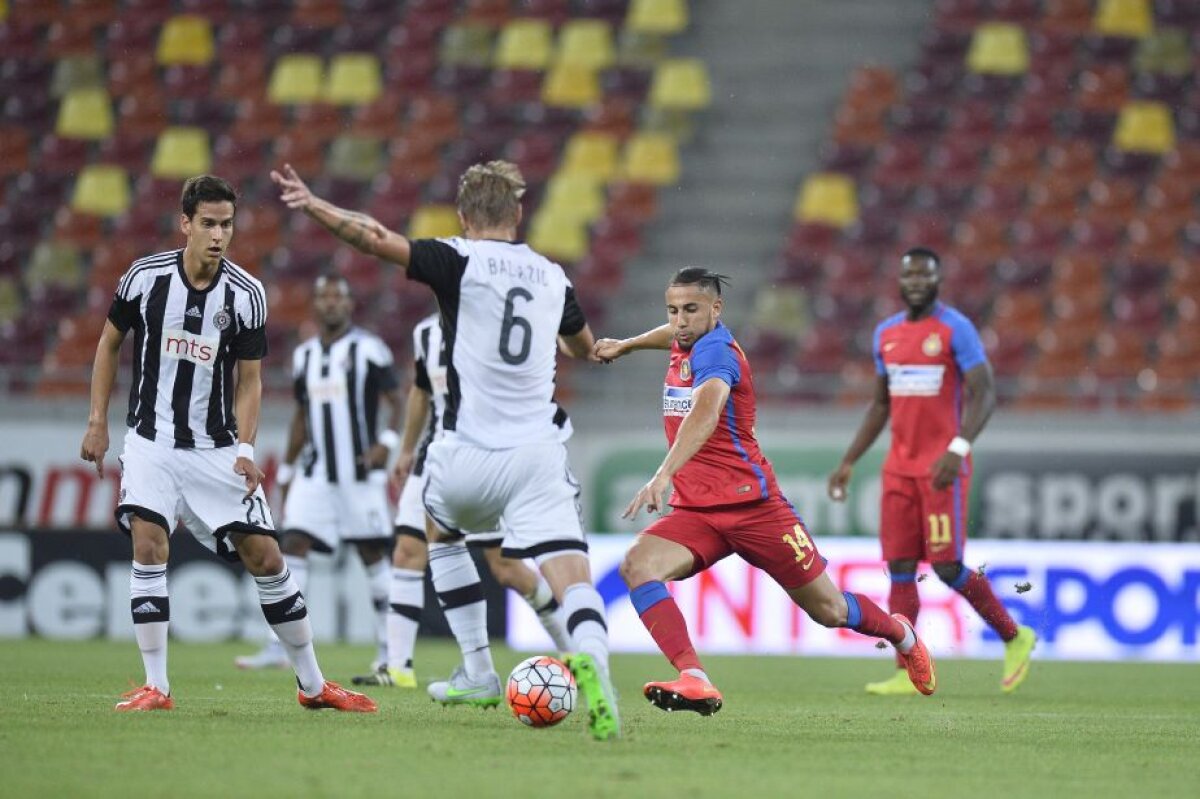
[924, 358]
[725, 500]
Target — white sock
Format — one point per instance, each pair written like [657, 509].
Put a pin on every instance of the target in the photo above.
[546, 607]
[406, 601]
[284, 608]
[584, 611]
[379, 575]
[456, 581]
[298, 566]
[910, 639]
[150, 606]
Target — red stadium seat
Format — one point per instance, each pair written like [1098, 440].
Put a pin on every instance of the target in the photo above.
[316, 13]
[1103, 88]
[305, 154]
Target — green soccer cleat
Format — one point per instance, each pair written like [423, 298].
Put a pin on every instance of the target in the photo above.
[1016, 658]
[392, 678]
[897, 685]
[463, 690]
[604, 720]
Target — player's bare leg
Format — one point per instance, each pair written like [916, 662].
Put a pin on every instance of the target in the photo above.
[1019, 640]
[830, 607]
[376, 560]
[647, 566]
[570, 577]
[406, 602]
[533, 588]
[150, 607]
[903, 599]
[273, 655]
[285, 610]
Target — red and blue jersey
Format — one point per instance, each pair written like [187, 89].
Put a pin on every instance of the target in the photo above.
[730, 469]
[924, 363]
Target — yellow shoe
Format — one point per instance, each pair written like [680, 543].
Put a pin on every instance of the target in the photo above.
[897, 685]
[394, 678]
[1016, 658]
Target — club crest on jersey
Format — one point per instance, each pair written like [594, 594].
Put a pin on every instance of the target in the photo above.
[932, 346]
[685, 369]
[222, 319]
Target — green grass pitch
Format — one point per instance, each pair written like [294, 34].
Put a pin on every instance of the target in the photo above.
[790, 727]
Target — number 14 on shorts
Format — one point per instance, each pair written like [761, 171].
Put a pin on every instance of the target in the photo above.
[801, 545]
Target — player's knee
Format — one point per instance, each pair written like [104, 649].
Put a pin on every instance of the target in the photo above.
[829, 612]
[410, 553]
[907, 566]
[294, 544]
[262, 561]
[636, 570]
[948, 572]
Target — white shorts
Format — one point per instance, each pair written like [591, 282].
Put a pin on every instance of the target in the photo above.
[411, 513]
[527, 492]
[198, 487]
[330, 513]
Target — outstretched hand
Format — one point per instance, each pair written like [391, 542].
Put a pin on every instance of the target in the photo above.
[292, 190]
[653, 496]
[607, 350]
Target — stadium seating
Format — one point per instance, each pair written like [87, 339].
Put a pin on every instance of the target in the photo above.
[1048, 151]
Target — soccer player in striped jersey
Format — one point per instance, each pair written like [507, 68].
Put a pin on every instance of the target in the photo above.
[725, 500]
[422, 424]
[501, 462]
[334, 475]
[924, 357]
[199, 324]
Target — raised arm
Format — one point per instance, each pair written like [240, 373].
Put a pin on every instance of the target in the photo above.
[579, 345]
[608, 350]
[104, 374]
[359, 230]
[872, 425]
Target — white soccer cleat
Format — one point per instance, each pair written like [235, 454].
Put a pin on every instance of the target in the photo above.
[462, 690]
[271, 656]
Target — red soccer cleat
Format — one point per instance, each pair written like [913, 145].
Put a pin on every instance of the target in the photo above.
[335, 696]
[686, 693]
[918, 662]
[145, 698]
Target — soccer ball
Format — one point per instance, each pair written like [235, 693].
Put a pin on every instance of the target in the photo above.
[541, 691]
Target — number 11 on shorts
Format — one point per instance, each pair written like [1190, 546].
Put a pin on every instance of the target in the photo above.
[939, 529]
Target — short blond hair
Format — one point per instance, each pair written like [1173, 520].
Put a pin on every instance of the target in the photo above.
[489, 195]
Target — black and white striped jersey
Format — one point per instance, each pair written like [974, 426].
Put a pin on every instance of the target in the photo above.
[186, 343]
[429, 368]
[503, 307]
[338, 386]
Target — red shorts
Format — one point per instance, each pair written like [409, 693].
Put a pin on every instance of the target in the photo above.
[918, 523]
[768, 535]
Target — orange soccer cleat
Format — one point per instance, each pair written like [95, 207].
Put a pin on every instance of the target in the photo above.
[686, 693]
[335, 696]
[918, 662]
[145, 698]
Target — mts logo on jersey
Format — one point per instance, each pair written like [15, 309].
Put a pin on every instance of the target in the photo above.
[677, 400]
[184, 346]
[913, 380]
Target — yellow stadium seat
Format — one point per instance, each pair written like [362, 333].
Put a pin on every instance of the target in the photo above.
[54, 263]
[434, 222]
[10, 299]
[591, 154]
[650, 158]
[586, 43]
[85, 114]
[1132, 18]
[3, 10]
[560, 237]
[186, 39]
[1145, 127]
[353, 79]
[575, 195]
[466, 45]
[524, 44]
[76, 72]
[829, 198]
[680, 84]
[102, 189]
[296, 79]
[181, 153]
[998, 48]
[571, 86]
[663, 17]
[355, 158]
